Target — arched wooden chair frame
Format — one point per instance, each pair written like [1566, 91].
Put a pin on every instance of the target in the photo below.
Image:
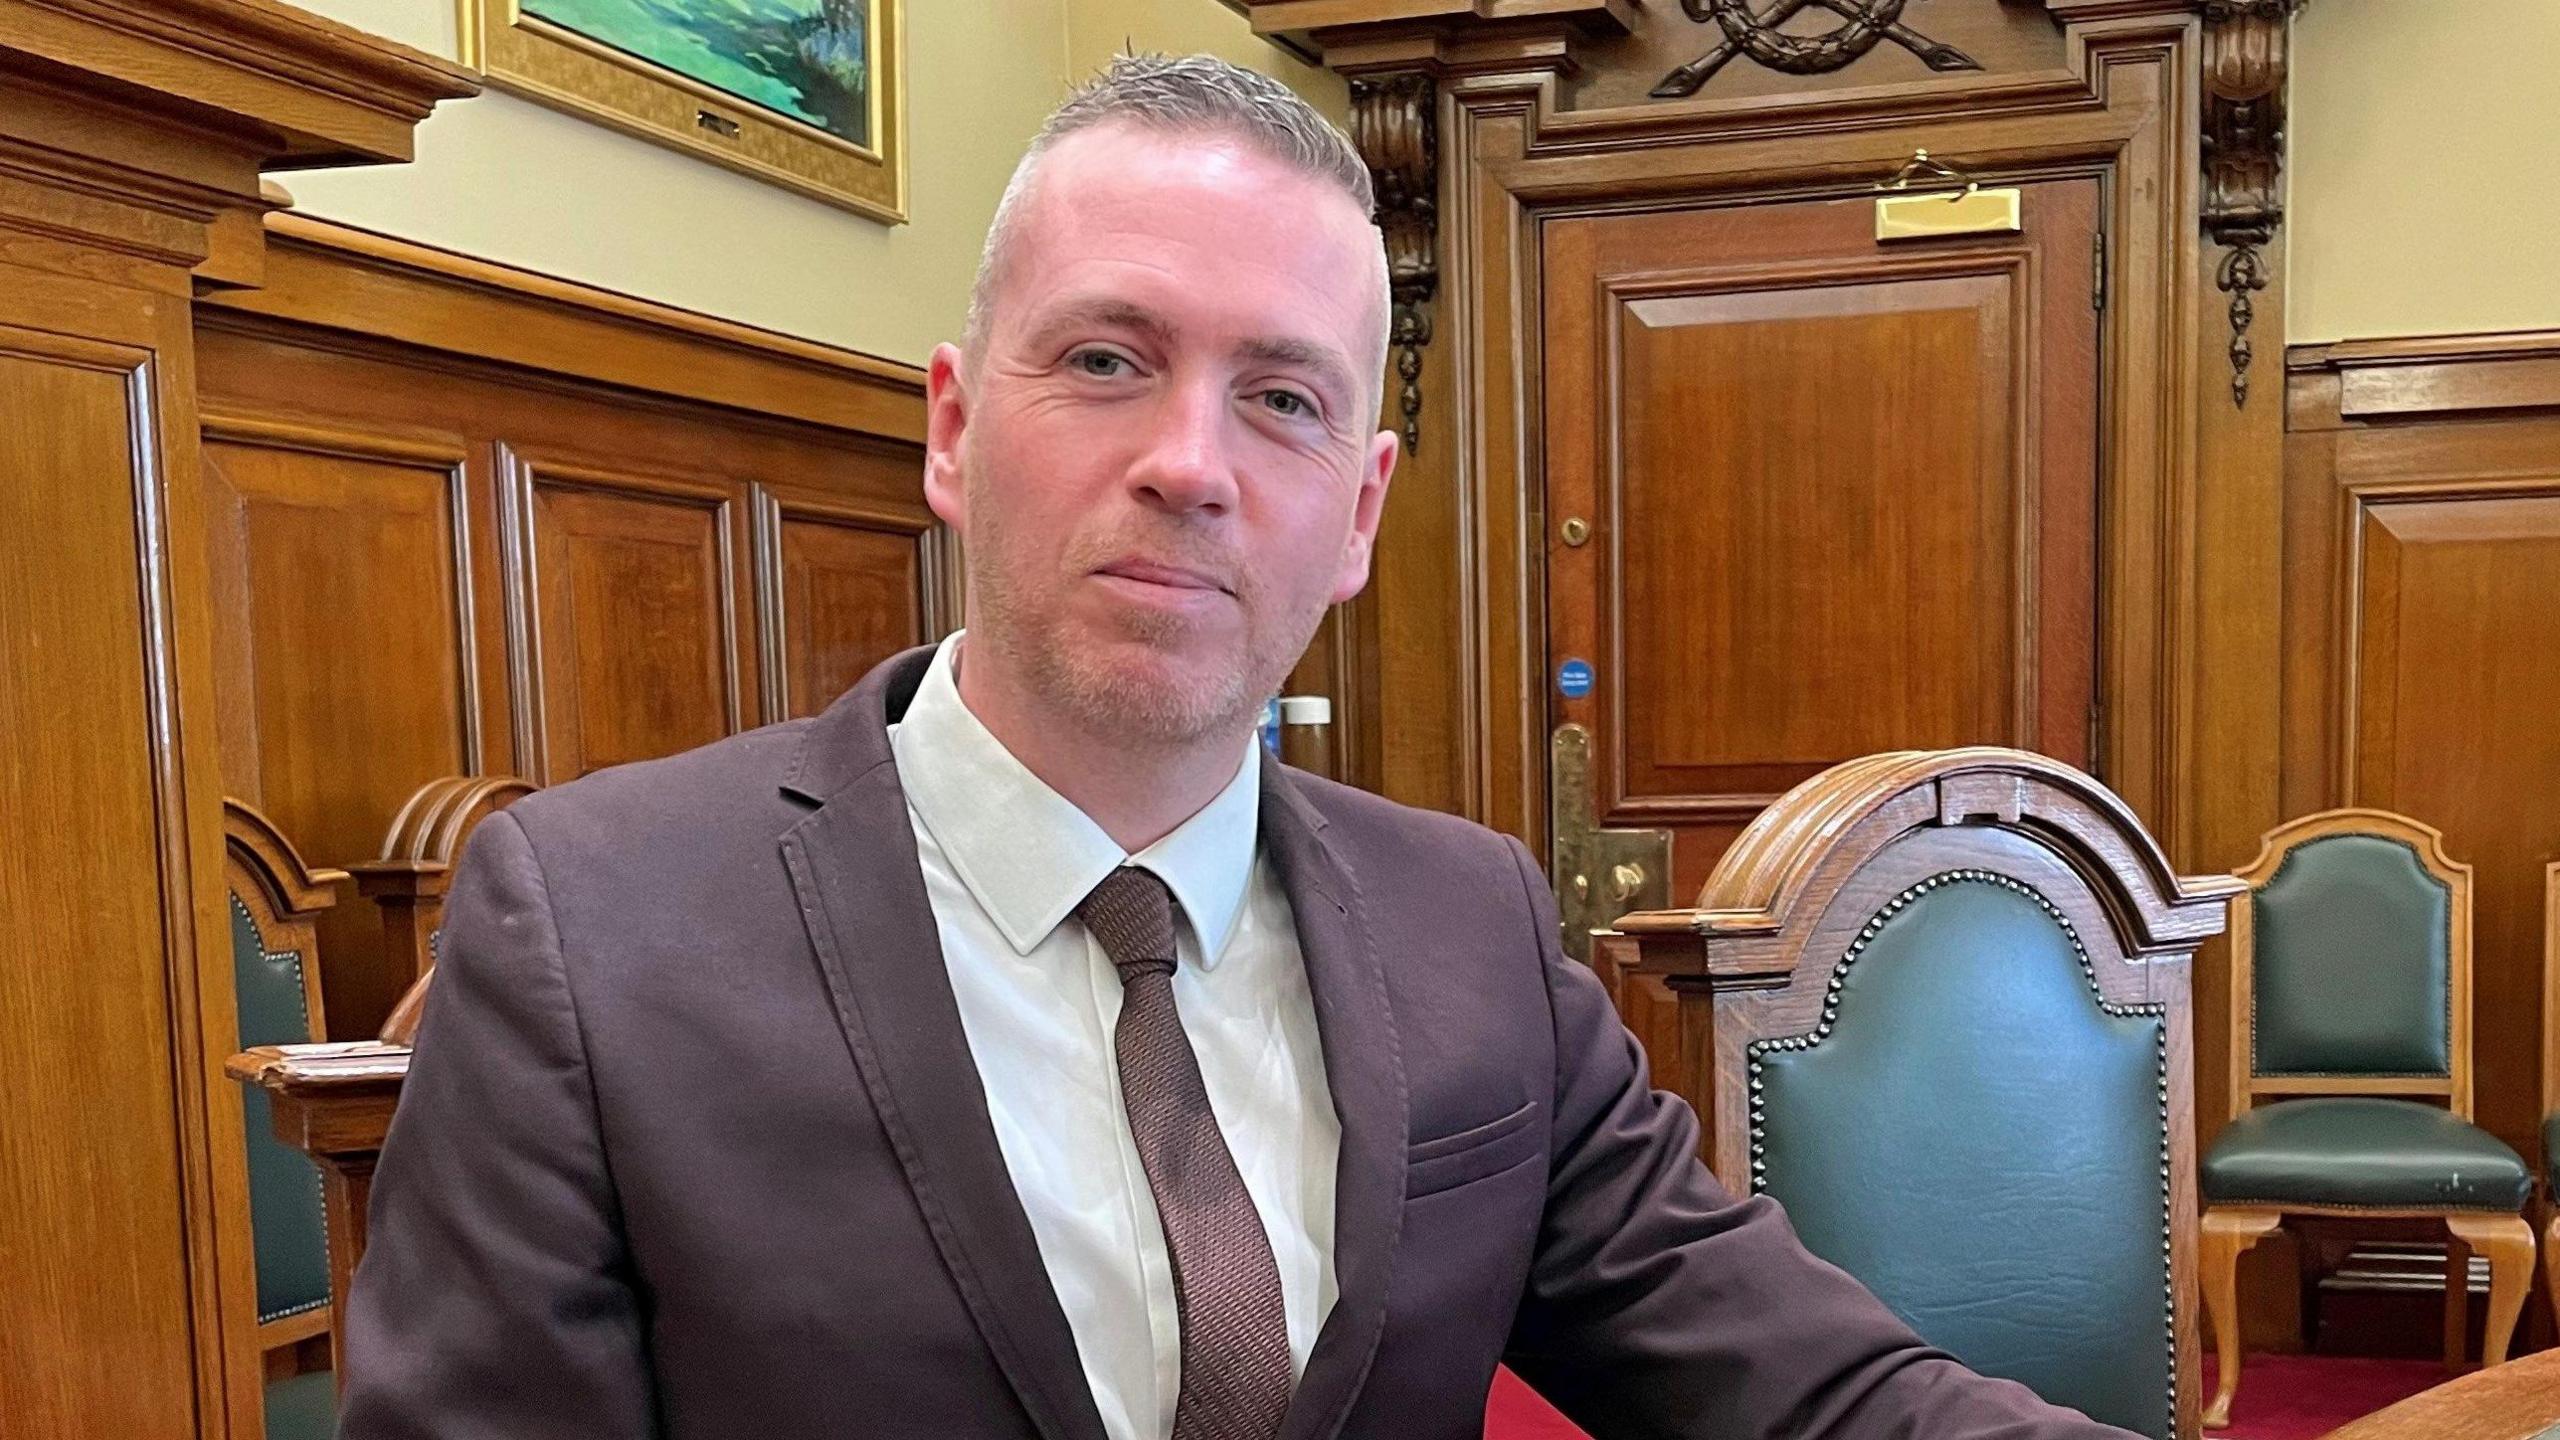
[408, 882]
[334, 1101]
[275, 1240]
[1758, 975]
[2232, 1225]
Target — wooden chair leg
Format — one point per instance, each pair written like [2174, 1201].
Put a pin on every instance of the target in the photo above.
[2508, 1242]
[2551, 1263]
[2228, 1234]
[2457, 1304]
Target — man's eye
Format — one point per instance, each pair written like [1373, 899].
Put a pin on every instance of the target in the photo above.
[1100, 363]
[1288, 403]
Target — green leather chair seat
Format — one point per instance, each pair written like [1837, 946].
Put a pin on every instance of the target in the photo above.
[2363, 1151]
[303, 1407]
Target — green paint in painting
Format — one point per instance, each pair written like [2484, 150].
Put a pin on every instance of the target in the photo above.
[807, 59]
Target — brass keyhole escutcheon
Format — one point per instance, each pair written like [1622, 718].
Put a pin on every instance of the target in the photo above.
[1576, 531]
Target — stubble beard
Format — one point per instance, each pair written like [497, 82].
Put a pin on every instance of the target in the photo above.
[1161, 701]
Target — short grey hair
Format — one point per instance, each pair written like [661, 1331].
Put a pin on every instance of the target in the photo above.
[1189, 95]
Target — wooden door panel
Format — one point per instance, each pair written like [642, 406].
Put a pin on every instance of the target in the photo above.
[1867, 477]
[1841, 498]
[2455, 645]
[846, 588]
[634, 609]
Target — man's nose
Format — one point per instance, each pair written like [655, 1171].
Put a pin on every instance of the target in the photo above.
[1184, 467]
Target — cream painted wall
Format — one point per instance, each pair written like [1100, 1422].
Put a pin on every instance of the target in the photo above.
[1100, 29]
[509, 180]
[2424, 196]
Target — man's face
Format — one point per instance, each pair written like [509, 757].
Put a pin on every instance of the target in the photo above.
[1165, 463]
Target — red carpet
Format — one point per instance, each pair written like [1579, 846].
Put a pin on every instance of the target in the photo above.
[1514, 1412]
[2303, 1397]
[2282, 1397]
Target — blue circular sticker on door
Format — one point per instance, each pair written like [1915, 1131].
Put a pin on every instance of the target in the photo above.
[1573, 677]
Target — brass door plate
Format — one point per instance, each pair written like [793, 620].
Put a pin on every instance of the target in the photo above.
[1600, 874]
[1948, 212]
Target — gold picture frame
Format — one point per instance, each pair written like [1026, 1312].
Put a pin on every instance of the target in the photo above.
[855, 160]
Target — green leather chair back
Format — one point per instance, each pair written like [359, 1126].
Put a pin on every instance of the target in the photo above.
[1983, 1143]
[2352, 972]
[289, 1229]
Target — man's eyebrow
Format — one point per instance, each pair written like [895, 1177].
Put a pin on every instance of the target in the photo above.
[1103, 313]
[1327, 366]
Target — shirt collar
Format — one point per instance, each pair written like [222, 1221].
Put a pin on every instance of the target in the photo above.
[1028, 855]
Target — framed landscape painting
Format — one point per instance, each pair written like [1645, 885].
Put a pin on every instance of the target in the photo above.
[806, 94]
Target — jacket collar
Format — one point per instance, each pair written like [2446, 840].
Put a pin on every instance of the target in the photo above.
[853, 863]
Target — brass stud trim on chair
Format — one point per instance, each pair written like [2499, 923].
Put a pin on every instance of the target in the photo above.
[240, 911]
[2088, 972]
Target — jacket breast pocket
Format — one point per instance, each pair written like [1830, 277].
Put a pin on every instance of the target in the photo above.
[1478, 1152]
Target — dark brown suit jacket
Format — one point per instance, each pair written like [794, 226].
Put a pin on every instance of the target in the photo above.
[693, 1145]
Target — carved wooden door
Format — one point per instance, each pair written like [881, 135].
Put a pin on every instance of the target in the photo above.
[1807, 496]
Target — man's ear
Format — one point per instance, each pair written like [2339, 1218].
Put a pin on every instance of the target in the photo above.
[946, 432]
[1377, 467]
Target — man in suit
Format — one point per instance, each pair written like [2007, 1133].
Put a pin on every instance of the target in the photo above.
[1016, 1050]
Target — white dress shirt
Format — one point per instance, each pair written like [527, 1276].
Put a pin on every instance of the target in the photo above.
[1006, 860]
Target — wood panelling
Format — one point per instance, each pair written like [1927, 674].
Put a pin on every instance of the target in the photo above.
[120, 1159]
[1842, 498]
[433, 562]
[849, 587]
[132, 138]
[1546, 123]
[633, 621]
[2422, 622]
[477, 311]
[309, 527]
[94, 1256]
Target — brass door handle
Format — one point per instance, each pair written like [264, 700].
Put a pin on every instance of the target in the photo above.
[1626, 881]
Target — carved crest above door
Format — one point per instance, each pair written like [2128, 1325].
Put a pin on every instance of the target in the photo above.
[1758, 36]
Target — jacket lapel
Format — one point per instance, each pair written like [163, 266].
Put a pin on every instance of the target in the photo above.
[1365, 1071]
[853, 863]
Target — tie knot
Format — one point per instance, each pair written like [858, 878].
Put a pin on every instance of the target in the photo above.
[1131, 913]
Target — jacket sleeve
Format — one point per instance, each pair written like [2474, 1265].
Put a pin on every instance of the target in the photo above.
[495, 1297]
[1660, 1306]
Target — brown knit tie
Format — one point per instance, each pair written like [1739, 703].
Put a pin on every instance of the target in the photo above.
[1226, 1288]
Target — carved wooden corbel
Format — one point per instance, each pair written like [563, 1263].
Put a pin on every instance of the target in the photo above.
[1393, 122]
[2244, 70]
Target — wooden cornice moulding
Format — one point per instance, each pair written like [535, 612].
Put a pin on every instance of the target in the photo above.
[141, 128]
[2409, 376]
[2084, 11]
[1443, 36]
[336, 277]
[318, 92]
